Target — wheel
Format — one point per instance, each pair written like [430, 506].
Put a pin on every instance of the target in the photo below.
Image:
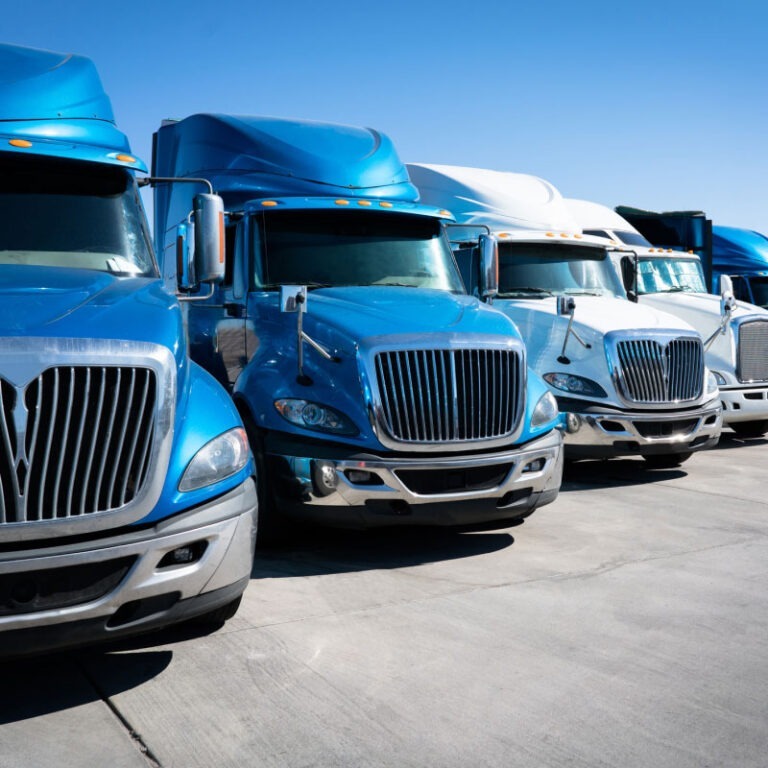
[666, 460]
[271, 527]
[750, 428]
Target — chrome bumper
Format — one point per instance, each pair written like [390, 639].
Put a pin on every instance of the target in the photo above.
[744, 403]
[151, 594]
[602, 434]
[366, 490]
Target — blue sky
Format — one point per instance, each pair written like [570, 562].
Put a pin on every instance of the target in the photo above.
[660, 105]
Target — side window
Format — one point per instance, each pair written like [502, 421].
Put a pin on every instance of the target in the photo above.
[741, 288]
[229, 248]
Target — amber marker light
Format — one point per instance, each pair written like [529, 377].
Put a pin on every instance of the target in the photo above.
[269, 203]
[342, 202]
[364, 202]
[385, 205]
[125, 158]
[443, 212]
[502, 235]
[578, 237]
[22, 143]
[550, 234]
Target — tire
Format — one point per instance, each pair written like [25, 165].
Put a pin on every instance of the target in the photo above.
[750, 428]
[271, 527]
[666, 460]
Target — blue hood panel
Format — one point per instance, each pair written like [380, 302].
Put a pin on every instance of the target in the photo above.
[361, 312]
[50, 301]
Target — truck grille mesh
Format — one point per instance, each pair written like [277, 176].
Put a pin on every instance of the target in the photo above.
[85, 435]
[753, 351]
[450, 395]
[650, 371]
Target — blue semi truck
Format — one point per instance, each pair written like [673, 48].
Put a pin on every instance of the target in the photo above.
[742, 254]
[375, 391]
[127, 498]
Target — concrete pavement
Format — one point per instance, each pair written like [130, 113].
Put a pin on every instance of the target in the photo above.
[624, 625]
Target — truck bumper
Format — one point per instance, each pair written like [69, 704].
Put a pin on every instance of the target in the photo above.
[601, 433]
[367, 491]
[744, 403]
[74, 594]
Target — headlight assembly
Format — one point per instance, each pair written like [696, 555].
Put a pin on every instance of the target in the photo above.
[577, 385]
[221, 457]
[321, 418]
[545, 410]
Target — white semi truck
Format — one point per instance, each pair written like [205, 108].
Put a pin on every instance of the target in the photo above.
[735, 333]
[630, 379]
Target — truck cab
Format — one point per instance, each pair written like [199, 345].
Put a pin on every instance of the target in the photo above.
[735, 333]
[375, 391]
[742, 254]
[127, 498]
[630, 380]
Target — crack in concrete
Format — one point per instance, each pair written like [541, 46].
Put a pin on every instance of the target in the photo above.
[136, 738]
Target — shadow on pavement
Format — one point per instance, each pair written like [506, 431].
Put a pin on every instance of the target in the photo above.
[600, 473]
[313, 551]
[730, 440]
[38, 686]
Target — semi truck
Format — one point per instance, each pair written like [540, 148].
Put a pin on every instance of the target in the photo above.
[375, 392]
[127, 496]
[735, 333]
[630, 380]
[742, 254]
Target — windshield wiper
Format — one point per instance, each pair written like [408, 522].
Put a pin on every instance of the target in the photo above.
[525, 289]
[578, 292]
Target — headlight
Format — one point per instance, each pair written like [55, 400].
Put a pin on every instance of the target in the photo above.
[221, 457]
[321, 418]
[578, 385]
[545, 410]
[711, 384]
[719, 379]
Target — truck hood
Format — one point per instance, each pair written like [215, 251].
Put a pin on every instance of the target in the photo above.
[701, 310]
[76, 303]
[346, 317]
[594, 315]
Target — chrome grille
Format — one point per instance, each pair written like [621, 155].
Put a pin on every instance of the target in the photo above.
[450, 395]
[650, 371]
[86, 436]
[753, 351]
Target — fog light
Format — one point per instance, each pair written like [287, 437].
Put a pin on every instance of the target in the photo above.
[572, 423]
[189, 553]
[357, 476]
[324, 477]
[535, 466]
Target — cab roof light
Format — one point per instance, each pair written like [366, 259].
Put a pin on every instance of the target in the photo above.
[342, 202]
[385, 204]
[22, 143]
[125, 158]
[364, 202]
[269, 203]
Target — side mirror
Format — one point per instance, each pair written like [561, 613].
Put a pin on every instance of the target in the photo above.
[566, 305]
[489, 266]
[185, 255]
[209, 262]
[727, 300]
[293, 298]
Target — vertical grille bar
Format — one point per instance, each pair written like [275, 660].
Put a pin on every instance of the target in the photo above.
[651, 372]
[753, 351]
[430, 395]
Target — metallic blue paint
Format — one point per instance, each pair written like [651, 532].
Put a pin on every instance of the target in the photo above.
[38, 88]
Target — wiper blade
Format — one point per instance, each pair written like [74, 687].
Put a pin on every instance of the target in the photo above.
[525, 289]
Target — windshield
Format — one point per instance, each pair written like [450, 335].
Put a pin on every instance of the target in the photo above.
[531, 270]
[57, 213]
[667, 275]
[342, 248]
